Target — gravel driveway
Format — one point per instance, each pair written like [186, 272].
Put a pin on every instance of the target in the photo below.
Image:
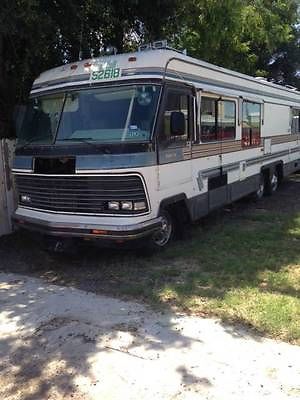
[63, 343]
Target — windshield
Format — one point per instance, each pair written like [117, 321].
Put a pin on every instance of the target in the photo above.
[41, 119]
[110, 114]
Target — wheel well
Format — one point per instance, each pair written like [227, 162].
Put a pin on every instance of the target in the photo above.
[177, 207]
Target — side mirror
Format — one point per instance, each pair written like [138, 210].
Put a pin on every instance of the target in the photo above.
[177, 123]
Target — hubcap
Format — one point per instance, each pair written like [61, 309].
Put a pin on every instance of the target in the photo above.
[162, 236]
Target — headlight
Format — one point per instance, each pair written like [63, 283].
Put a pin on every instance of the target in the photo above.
[25, 198]
[113, 205]
[126, 205]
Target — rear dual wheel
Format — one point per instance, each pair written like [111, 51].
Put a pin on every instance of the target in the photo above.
[274, 182]
[259, 194]
[267, 184]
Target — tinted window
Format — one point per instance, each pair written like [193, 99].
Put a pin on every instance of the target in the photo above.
[251, 124]
[217, 119]
[41, 119]
[176, 101]
[208, 119]
[113, 114]
[295, 120]
[226, 119]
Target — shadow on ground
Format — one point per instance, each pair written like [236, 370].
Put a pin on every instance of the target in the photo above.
[50, 342]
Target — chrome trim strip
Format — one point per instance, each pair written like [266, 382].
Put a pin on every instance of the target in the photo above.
[83, 214]
[22, 171]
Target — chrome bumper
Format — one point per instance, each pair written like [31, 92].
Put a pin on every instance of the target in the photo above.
[92, 231]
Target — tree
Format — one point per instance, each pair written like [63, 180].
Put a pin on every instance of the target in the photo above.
[237, 34]
[27, 43]
[254, 36]
[284, 65]
[36, 35]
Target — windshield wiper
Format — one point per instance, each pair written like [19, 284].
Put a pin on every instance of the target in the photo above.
[87, 141]
[32, 141]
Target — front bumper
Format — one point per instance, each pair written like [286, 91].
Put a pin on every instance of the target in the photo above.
[87, 230]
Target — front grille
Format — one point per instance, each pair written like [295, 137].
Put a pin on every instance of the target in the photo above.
[78, 194]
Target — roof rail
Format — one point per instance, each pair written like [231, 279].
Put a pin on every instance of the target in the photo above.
[159, 45]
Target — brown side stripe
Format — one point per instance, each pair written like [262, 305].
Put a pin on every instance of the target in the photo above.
[207, 149]
[284, 139]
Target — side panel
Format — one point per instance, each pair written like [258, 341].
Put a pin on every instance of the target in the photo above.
[276, 120]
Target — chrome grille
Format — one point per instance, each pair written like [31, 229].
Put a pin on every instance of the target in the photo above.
[78, 194]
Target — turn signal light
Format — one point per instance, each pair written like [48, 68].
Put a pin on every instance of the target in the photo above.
[98, 232]
[139, 205]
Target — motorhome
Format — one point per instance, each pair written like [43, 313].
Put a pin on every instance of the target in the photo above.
[131, 146]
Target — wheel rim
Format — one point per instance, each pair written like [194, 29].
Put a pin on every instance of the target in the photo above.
[274, 182]
[163, 235]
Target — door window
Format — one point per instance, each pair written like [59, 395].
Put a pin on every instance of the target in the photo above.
[177, 101]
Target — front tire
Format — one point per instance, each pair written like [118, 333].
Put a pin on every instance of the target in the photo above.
[162, 237]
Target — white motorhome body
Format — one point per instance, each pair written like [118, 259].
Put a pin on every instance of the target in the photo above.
[193, 138]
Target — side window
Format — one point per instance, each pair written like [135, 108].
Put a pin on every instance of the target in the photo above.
[295, 121]
[226, 119]
[218, 119]
[180, 103]
[251, 124]
[208, 119]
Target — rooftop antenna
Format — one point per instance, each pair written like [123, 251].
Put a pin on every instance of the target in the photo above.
[80, 42]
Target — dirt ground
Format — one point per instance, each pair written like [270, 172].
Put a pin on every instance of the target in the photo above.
[62, 343]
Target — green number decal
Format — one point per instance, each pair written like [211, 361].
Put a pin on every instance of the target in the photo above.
[94, 76]
[116, 73]
[107, 73]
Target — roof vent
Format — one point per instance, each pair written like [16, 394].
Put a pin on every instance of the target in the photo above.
[159, 45]
[145, 47]
[291, 87]
[260, 78]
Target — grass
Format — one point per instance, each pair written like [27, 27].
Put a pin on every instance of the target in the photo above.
[245, 270]
[241, 267]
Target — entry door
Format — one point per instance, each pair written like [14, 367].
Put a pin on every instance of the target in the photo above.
[174, 152]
